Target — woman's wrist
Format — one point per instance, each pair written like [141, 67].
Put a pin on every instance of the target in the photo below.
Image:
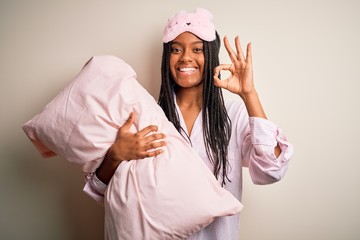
[108, 167]
[253, 104]
[249, 96]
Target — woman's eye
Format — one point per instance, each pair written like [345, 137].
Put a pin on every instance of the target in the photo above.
[175, 50]
[198, 50]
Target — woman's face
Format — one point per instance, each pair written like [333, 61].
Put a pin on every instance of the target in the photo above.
[187, 60]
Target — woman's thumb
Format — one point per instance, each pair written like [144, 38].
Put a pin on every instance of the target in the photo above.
[129, 121]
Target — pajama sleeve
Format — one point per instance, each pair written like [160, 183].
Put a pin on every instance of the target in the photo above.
[95, 188]
[258, 143]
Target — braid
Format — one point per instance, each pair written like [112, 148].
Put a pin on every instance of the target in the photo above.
[216, 122]
[166, 99]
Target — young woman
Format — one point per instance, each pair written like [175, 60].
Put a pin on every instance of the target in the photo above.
[227, 135]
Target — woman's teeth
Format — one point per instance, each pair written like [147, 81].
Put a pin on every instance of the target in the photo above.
[187, 69]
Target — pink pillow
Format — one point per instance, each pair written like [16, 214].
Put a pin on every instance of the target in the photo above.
[170, 196]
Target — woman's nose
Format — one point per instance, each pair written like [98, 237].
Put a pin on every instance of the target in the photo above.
[186, 56]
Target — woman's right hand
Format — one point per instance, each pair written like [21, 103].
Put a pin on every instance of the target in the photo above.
[130, 146]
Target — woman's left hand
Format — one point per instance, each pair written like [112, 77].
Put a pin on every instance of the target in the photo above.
[240, 80]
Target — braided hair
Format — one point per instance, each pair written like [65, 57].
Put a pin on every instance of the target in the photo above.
[216, 122]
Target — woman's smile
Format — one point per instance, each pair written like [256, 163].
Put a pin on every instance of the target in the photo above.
[187, 71]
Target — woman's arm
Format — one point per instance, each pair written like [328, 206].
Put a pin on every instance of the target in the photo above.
[241, 80]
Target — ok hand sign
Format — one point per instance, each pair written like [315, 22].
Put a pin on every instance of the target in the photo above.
[240, 80]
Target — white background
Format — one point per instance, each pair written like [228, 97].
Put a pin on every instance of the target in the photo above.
[306, 59]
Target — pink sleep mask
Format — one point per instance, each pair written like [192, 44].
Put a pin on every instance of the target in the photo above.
[199, 23]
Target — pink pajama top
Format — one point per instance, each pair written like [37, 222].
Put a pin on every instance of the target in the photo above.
[251, 145]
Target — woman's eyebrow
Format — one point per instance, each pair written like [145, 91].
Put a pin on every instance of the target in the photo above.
[192, 43]
[196, 42]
